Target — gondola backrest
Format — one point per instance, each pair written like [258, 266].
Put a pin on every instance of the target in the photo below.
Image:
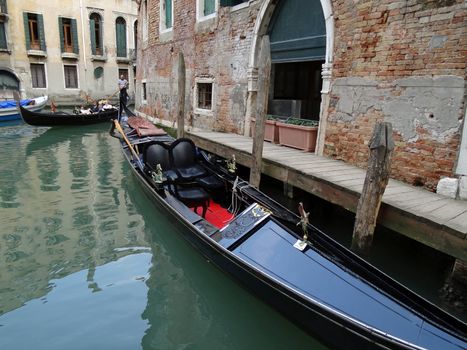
[157, 153]
[183, 153]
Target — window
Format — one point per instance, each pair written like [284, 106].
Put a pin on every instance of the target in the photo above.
[143, 92]
[3, 7]
[135, 34]
[204, 95]
[34, 31]
[124, 72]
[95, 28]
[166, 15]
[68, 35]
[120, 28]
[206, 9]
[232, 2]
[3, 41]
[38, 75]
[71, 76]
[209, 7]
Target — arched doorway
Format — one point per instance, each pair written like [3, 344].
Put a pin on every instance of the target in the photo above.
[297, 35]
[301, 37]
[8, 84]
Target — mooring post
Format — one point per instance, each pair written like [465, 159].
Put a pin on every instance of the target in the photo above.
[181, 96]
[264, 77]
[377, 177]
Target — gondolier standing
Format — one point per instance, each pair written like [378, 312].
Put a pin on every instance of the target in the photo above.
[123, 85]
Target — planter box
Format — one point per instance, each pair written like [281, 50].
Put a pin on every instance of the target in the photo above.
[271, 132]
[297, 136]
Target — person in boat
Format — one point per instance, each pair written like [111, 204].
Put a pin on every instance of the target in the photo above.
[96, 108]
[83, 110]
[122, 86]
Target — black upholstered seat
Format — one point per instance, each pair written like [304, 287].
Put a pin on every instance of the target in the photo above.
[158, 153]
[210, 182]
[183, 161]
[192, 196]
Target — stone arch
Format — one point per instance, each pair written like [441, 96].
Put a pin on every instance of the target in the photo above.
[9, 82]
[263, 20]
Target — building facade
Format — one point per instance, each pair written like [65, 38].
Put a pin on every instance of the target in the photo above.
[68, 50]
[345, 64]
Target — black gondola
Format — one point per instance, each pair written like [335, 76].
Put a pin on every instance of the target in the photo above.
[63, 118]
[326, 289]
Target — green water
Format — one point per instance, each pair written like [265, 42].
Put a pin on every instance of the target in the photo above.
[87, 262]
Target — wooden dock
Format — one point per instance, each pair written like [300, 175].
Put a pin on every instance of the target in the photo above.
[426, 217]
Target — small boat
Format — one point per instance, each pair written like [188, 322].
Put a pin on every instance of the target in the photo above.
[64, 118]
[317, 283]
[9, 110]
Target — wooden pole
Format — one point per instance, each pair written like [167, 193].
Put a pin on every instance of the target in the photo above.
[264, 77]
[377, 177]
[181, 96]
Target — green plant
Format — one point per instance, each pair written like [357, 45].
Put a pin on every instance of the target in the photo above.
[302, 122]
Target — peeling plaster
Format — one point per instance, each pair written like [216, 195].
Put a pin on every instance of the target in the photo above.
[431, 103]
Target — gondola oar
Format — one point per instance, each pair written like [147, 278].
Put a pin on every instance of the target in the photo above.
[133, 152]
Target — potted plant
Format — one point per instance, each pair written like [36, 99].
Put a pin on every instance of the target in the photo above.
[271, 133]
[298, 133]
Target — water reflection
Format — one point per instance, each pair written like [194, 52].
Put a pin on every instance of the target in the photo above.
[54, 231]
[87, 262]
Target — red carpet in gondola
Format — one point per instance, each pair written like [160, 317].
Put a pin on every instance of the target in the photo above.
[217, 215]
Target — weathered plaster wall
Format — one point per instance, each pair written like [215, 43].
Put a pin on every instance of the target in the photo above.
[18, 60]
[402, 62]
[216, 48]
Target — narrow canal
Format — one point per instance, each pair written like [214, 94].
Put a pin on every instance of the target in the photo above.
[87, 262]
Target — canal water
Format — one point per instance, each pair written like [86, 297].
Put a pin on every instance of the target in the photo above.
[88, 262]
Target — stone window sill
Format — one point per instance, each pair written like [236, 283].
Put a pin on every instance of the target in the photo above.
[70, 56]
[98, 58]
[38, 53]
[123, 60]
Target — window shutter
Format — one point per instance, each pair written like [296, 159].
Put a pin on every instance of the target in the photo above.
[74, 34]
[121, 39]
[209, 7]
[92, 30]
[40, 24]
[3, 43]
[62, 36]
[26, 31]
[168, 14]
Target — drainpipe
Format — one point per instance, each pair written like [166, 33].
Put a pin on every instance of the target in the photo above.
[84, 42]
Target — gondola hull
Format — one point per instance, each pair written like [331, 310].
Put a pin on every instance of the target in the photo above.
[58, 119]
[334, 328]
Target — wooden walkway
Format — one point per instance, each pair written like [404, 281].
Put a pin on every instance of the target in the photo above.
[424, 216]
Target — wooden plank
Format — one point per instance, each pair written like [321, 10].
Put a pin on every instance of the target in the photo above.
[458, 223]
[181, 96]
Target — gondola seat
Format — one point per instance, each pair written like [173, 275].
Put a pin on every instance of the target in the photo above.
[184, 162]
[159, 153]
[192, 196]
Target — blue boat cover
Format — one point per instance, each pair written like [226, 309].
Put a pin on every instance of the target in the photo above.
[11, 103]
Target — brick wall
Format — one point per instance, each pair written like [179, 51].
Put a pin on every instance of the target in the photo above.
[217, 48]
[402, 62]
[397, 61]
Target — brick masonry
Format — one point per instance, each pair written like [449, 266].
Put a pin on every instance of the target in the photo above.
[397, 61]
[403, 62]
